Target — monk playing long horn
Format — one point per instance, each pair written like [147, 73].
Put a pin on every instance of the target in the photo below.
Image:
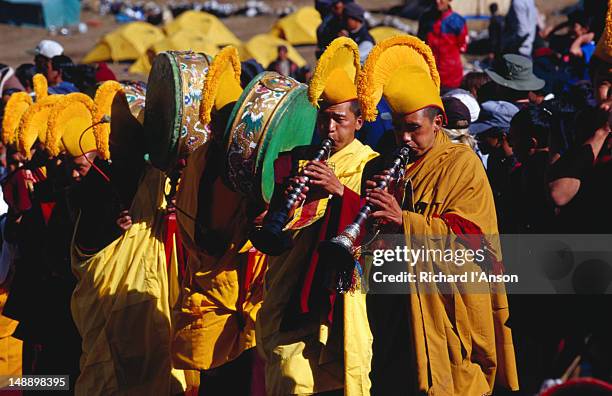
[438, 343]
[314, 340]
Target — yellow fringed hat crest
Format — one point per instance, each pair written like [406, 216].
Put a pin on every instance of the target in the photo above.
[17, 105]
[41, 86]
[335, 76]
[604, 46]
[402, 69]
[103, 103]
[222, 83]
[34, 124]
[70, 126]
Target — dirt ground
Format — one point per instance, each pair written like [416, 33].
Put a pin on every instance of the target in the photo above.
[15, 41]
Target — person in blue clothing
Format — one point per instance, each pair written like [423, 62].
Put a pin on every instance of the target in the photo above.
[332, 20]
[58, 75]
[356, 28]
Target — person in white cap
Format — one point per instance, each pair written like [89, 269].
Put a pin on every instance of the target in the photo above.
[43, 53]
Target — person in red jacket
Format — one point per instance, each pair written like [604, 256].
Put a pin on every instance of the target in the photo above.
[445, 32]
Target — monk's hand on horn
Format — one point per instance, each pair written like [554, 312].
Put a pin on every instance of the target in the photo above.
[322, 176]
[386, 208]
[291, 189]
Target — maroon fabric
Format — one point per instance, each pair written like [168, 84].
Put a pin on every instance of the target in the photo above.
[258, 376]
[16, 192]
[168, 240]
[47, 210]
[471, 234]
[282, 168]
[104, 73]
[579, 386]
[335, 221]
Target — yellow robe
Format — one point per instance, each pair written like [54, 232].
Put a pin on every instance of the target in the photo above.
[207, 318]
[461, 342]
[10, 347]
[120, 306]
[304, 361]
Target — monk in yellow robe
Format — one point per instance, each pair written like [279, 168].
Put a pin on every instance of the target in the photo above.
[453, 343]
[10, 347]
[214, 319]
[314, 340]
[120, 303]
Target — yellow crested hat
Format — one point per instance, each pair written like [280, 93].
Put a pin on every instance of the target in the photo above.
[41, 87]
[34, 124]
[222, 83]
[103, 102]
[334, 78]
[17, 105]
[402, 69]
[70, 126]
[604, 46]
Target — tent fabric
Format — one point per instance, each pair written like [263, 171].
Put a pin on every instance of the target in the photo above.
[264, 49]
[127, 42]
[384, 32]
[182, 40]
[206, 24]
[299, 28]
[47, 13]
[479, 7]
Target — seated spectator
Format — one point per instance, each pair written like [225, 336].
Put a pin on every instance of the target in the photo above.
[468, 100]
[445, 32]
[59, 74]
[581, 176]
[457, 122]
[283, 65]
[473, 81]
[249, 69]
[514, 79]
[530, 209]
[24, 74]
[356, 28]
[581, 48]
[43, 53]
[331, 24]
[491, 132]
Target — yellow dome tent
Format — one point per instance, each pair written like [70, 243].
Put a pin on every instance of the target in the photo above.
[384, 32]
[207, 24]
[125, 43]
[299, 28]
[264, 49]
[179, 41]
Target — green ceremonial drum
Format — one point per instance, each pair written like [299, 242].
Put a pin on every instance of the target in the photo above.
[171, 119]
[272, 115]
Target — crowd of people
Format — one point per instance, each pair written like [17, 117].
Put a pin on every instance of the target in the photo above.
[135, 281]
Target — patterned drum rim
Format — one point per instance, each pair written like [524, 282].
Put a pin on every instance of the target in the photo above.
[248, 135]
[135, 94]
[186, 134]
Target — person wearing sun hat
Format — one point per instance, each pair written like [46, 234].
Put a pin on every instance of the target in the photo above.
[214, 318]
[311, 348]
[446, 194]
[514, 79]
